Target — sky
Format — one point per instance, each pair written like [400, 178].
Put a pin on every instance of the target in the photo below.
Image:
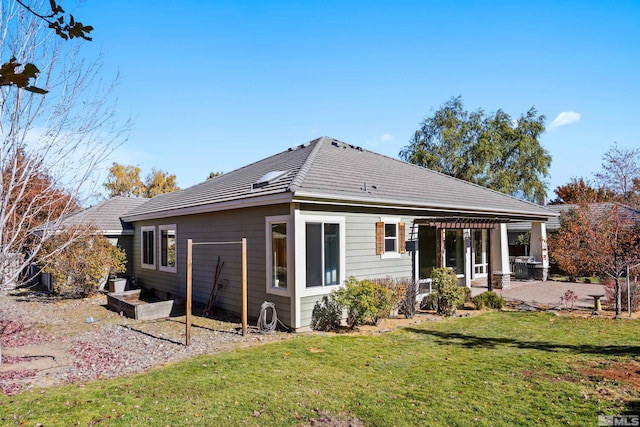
[215, 85]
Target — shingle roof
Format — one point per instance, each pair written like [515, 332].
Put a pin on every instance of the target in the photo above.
[332, 170]
[106, 215]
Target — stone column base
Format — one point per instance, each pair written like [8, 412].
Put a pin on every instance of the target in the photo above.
[501, 281]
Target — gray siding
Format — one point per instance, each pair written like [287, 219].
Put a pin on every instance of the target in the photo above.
[217, 227]
[126, 243]
[360, 246]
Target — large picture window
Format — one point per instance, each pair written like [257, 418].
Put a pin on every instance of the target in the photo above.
[168, 248]
[322, 253]
[148, 247]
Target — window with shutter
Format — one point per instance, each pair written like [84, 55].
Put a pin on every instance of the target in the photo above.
[390, 237]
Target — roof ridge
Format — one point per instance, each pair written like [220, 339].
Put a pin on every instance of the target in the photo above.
[297, 180]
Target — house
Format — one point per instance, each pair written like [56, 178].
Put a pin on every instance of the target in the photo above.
[317, 214]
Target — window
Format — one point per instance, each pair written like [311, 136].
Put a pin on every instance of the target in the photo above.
[390, 238]
[323, 252]
[277, 254]
[168, 248]
[148, 247]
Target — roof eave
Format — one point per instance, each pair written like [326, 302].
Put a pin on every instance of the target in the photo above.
[271, 199]
[310, 197]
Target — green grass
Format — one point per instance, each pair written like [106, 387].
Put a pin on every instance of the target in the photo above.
[492, 369]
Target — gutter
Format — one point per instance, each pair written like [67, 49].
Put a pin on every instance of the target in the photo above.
[302, 197]
[272, 199]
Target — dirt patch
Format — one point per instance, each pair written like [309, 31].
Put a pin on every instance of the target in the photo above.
[48, 341]
[627, 373]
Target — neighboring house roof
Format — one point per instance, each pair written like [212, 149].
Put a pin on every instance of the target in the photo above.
[553, 224]
[326, 170]
[106, 215]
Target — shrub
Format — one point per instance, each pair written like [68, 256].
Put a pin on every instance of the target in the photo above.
[408, 303]
[403, 294]
[429, 302]
[82, 264]
[466, 296]
[327, 313]
[448, 294]
[568, 300]
[364, 300]
[488, 299]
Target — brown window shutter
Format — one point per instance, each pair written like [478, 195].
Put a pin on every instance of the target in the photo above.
[379, 238]
[402, 242]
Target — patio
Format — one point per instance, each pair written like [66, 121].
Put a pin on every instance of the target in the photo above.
[546, 293]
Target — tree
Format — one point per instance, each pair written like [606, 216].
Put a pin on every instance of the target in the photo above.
[580, 191]
[159, 182]
[32, 207]
[14, 73]
[52, 143]
[491, 150]
[213, 175]
[621, 174]
[592, 240]
[124, 180]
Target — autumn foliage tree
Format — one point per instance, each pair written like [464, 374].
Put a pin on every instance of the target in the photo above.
[598, 239]
[35, 202]
[579, 190]
[124, 180]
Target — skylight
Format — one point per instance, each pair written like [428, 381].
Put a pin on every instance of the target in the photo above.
[268, 178]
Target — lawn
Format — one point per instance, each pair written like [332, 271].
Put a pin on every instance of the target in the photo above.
[499, 368]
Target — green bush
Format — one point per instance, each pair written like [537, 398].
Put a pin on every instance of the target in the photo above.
[466, 296]
[448, 294]
[326, 314]
[429, 302]
[365, 301]
[488, 299]
[82, 264]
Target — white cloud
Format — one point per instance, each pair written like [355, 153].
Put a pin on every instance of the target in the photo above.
[565, 118]
[386, 138]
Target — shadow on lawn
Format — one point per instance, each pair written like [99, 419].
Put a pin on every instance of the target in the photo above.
[632, 407]
[472, 341]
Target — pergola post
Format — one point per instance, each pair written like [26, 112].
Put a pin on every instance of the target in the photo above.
[538, 248]
[500, 267]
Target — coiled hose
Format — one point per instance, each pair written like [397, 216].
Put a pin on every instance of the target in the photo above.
[263, 326]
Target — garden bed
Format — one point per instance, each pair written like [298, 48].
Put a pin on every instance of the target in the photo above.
[145, 304]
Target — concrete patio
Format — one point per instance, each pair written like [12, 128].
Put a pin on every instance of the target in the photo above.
[547, 293]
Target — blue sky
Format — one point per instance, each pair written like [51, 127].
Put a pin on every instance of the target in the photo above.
[215, 85]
